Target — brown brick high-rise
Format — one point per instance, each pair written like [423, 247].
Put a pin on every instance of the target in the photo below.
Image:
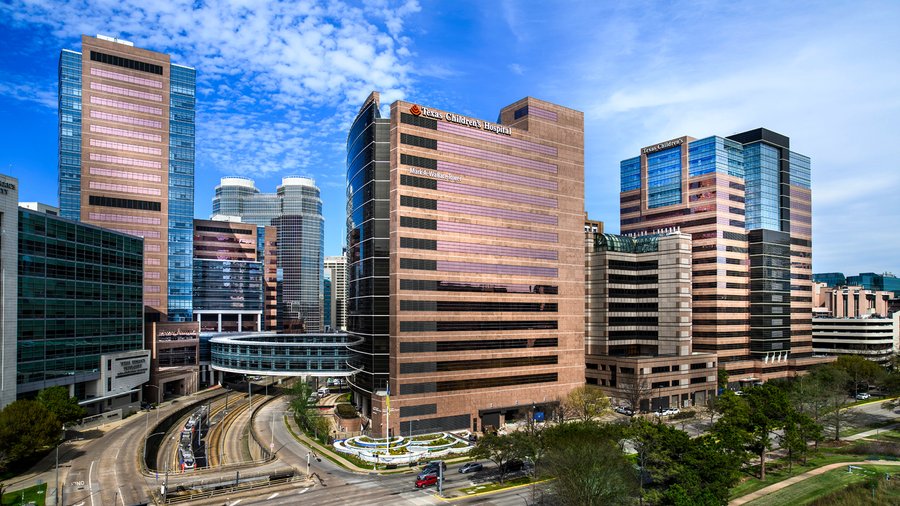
[465, 263]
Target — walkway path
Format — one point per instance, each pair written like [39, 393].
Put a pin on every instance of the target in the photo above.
[873, 432]
[800, 477]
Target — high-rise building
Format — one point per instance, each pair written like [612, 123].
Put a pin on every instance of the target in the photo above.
[337, 266]
[638, 345]
[228, 276]
[126, 157]
[327, 301]
[9, 279]
[465, 264]
[80, 322]
[295, 210]
[746, 201]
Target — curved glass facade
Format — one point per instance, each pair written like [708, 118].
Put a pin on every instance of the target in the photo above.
[295, 210]
[368, 261]
[281, 354]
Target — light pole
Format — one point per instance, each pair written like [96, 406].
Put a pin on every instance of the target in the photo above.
[57, 498]
[157, 406]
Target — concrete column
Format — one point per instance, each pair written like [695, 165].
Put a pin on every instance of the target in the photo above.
[240, 322]
[220, 322]
[259, 322]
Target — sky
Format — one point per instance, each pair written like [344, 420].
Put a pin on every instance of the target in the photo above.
[280, 81]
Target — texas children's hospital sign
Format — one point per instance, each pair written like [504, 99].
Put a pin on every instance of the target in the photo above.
[461, 120]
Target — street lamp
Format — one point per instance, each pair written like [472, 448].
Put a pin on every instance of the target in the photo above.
[157, 407]
[57, 498]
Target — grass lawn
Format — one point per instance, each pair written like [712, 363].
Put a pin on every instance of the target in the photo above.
[777, 470]
[818, 486]
[856, 430]
[492, 486]
[34, 494]
[890, 436]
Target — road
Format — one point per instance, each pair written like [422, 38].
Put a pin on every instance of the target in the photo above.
[107, 472]
[334, 485]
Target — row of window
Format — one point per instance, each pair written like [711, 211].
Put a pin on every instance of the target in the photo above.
[467, 365]
[464, 326]
[480, 344]
[478, 383]
[141, 205]
[127, 63]
[454, 306]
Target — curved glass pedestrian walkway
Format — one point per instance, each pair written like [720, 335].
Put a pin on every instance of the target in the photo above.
[272, 354]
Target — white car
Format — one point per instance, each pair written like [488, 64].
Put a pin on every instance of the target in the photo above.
[862, 396]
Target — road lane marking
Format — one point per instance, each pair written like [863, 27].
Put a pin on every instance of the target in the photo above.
[235, 502]
[91, 483]
[305, 490]
[273, 496]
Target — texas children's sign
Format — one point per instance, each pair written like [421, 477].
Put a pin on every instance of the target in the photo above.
[415, 110]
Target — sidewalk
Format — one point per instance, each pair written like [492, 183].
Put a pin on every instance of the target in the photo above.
[800, 477]
[863, 435]
[303, 438]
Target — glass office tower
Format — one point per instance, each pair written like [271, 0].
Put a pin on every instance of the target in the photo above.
[126, 157]
[746, 201]
[295, 210]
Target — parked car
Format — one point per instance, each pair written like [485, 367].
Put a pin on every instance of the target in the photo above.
[667, 411]
[862, 396]
[426, 480]
[147, 406]
[433, 466]
[471, 467]
[624, 410]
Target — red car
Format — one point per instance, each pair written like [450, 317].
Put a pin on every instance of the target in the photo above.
[428, 479]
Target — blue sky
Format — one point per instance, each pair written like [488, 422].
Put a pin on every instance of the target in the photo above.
[280, 81]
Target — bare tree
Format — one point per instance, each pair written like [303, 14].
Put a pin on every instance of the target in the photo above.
[586, 403]
[634, 389]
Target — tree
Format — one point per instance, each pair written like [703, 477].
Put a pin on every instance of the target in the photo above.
[681, 470]
[799, 430]
[587, 465]
[498, 449]
[634, 388]
[832, 384]
[722, 378]
[57, 401]
[586, 403]
[26, 427]
[761, 411]
[859, 370]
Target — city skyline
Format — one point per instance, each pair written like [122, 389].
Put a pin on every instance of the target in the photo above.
[284, 101]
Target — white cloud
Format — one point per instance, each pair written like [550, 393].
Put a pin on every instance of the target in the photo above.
[258, 62]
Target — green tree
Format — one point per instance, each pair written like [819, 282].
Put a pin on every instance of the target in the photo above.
[500, 450]
[859, 370]
[799, 430]
[57, 400]
[722, 378]
[26, 427]
[754, 418]
[682, 470]
[586, 403]
[588, 466]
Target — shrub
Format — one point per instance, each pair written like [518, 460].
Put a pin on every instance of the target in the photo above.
[346, 411]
